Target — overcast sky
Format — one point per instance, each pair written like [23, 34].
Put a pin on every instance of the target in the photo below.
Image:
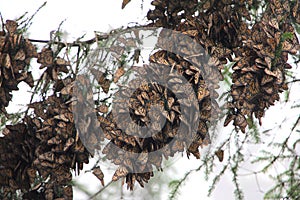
[85, 17]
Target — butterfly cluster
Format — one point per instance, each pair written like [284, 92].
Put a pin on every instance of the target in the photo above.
[15, 55]
[260, 52]
[63, 129]
[38, 154]
[44, 147]
[259, 72]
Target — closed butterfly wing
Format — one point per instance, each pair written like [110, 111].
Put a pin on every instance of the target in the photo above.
[220, 155]
[124, 3]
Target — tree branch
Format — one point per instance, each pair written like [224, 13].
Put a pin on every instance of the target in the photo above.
[75, 43]
[293, 81]
[98, 37]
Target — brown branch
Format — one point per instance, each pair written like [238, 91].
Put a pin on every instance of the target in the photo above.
[293, 81]
[98, 37]
[74, 44]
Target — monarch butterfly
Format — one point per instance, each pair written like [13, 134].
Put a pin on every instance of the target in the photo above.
[119, 73]
[220, 154]
[11, 26]
[120, 172]
[124, 3]
[252, 90]
[99, 174]
[45, 57]
[102, 108]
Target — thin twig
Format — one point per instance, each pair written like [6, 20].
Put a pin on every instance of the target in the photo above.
[293, 81]
[257, 183]
[28, 20]
[2, 21]
[35, 91]
[101, 190]
[296, 123]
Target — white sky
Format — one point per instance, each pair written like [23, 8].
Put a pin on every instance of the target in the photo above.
[85, 17]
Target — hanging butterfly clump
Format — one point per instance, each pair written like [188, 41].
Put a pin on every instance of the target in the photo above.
[15, 55]
[166, 109]
[260, 70]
